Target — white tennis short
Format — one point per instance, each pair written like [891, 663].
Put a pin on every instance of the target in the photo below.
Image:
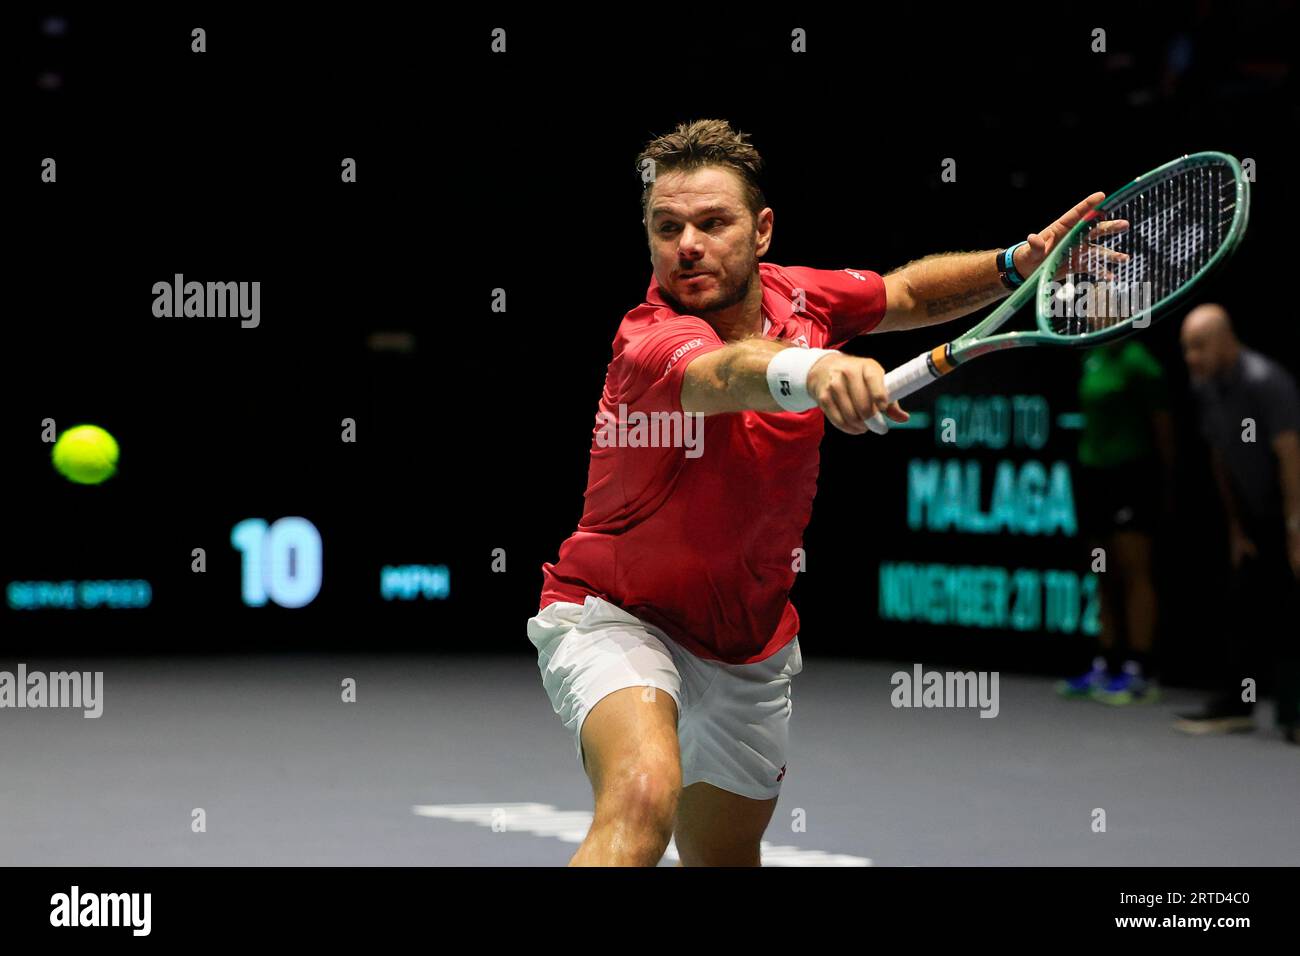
[733, 719]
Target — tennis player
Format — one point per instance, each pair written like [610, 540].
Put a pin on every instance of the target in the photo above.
[665, 635]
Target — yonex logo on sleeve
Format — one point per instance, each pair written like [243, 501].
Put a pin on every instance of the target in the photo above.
[857, 275]
[682, 350]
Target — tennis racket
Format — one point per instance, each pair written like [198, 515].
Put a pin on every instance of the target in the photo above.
[1125, 263]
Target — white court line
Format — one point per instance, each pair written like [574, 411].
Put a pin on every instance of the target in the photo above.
[570, 826]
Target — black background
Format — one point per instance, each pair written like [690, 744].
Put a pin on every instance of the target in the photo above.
[480, 171]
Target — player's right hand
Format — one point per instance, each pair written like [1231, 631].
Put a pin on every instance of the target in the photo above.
[849, 390]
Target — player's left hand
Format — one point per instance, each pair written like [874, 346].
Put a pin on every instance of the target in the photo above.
[1029, 257]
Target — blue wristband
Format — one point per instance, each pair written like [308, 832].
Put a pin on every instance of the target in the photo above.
[1009, 264]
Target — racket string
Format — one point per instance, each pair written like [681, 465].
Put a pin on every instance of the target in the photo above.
[1176, 225]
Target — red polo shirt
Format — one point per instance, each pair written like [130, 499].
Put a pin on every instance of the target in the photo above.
[701, 543]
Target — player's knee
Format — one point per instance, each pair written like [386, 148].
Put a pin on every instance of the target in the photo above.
[643, 796]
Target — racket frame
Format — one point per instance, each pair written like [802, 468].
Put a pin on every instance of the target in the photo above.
[929, 366]
[1039, 284]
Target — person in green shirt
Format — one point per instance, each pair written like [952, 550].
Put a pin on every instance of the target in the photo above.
[1125, 480]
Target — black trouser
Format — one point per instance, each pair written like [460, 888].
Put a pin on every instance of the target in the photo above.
[1264, 625]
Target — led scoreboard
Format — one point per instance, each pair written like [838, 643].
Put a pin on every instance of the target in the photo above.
[991, 531]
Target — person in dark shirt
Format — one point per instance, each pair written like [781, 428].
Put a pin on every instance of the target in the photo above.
[1249, 410]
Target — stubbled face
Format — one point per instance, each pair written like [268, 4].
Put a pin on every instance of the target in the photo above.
[1204, 349]
[704, 243]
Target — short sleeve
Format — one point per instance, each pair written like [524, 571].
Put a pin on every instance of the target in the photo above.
[647, 371]
[1280, 403]
[853, 299]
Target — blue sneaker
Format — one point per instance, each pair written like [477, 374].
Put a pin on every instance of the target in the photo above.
[1128, 687]
[1085, 684]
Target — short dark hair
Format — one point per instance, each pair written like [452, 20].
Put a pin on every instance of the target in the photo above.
[700, 143]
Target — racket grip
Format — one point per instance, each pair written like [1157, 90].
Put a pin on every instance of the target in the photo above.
[903, 381]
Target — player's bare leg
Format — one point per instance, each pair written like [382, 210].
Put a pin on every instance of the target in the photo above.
[629, 744]
[718, 828]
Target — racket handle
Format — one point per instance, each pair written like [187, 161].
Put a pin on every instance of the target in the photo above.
[908, 378]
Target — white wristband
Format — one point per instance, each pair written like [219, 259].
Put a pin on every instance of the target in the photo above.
[787, 377]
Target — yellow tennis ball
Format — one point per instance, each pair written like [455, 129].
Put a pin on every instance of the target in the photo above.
[85, 454]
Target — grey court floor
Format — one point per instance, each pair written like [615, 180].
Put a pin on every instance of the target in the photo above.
[460, 762]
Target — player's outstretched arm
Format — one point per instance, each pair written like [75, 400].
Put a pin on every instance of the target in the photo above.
[766, 376]
[939, 288]
[947, 286]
